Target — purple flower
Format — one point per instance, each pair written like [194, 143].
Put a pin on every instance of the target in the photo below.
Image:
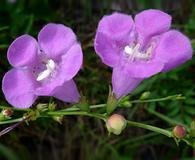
[43, 68]
[139, 49]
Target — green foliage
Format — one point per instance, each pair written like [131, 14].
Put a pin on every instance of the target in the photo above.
[7, 153]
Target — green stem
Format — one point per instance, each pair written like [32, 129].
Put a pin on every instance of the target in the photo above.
[151, 128]
[75, 108]
[76, 111]
[11, 121]
[96, 115]
[98, 106]
[81, 113]
[102, 117]
[177, 96]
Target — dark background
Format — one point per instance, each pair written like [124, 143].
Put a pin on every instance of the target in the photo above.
[82, 138]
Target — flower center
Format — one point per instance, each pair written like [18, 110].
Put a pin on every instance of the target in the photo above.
[133, 52]
[50, 67]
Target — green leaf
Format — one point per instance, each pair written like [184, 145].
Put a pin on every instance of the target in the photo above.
[7, 153]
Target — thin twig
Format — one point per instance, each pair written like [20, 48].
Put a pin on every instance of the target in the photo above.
[8, 129]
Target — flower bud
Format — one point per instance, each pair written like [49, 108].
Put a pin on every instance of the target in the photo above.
[127, 103]
[116, 123]
[7, 112]
[179, 131]
[144, 95]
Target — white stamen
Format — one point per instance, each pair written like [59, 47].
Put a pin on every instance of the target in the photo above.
[128, 50]
[142, 56]
[50, 65]
[43, 75]
[46, 73]
[133, 52]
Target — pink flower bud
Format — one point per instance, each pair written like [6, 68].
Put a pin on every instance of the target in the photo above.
[179, 131]
[116, 123]
[7, 112]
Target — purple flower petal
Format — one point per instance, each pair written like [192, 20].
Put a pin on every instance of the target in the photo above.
[67, 69]
[67, 92]
[152, 22]
[174, 49]
[18, 87]
[105, 49]
[56, 39]
[116, 26]
[23, 51]
[144, 69]
[72, 62]
[122, 83]
[113, 33]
